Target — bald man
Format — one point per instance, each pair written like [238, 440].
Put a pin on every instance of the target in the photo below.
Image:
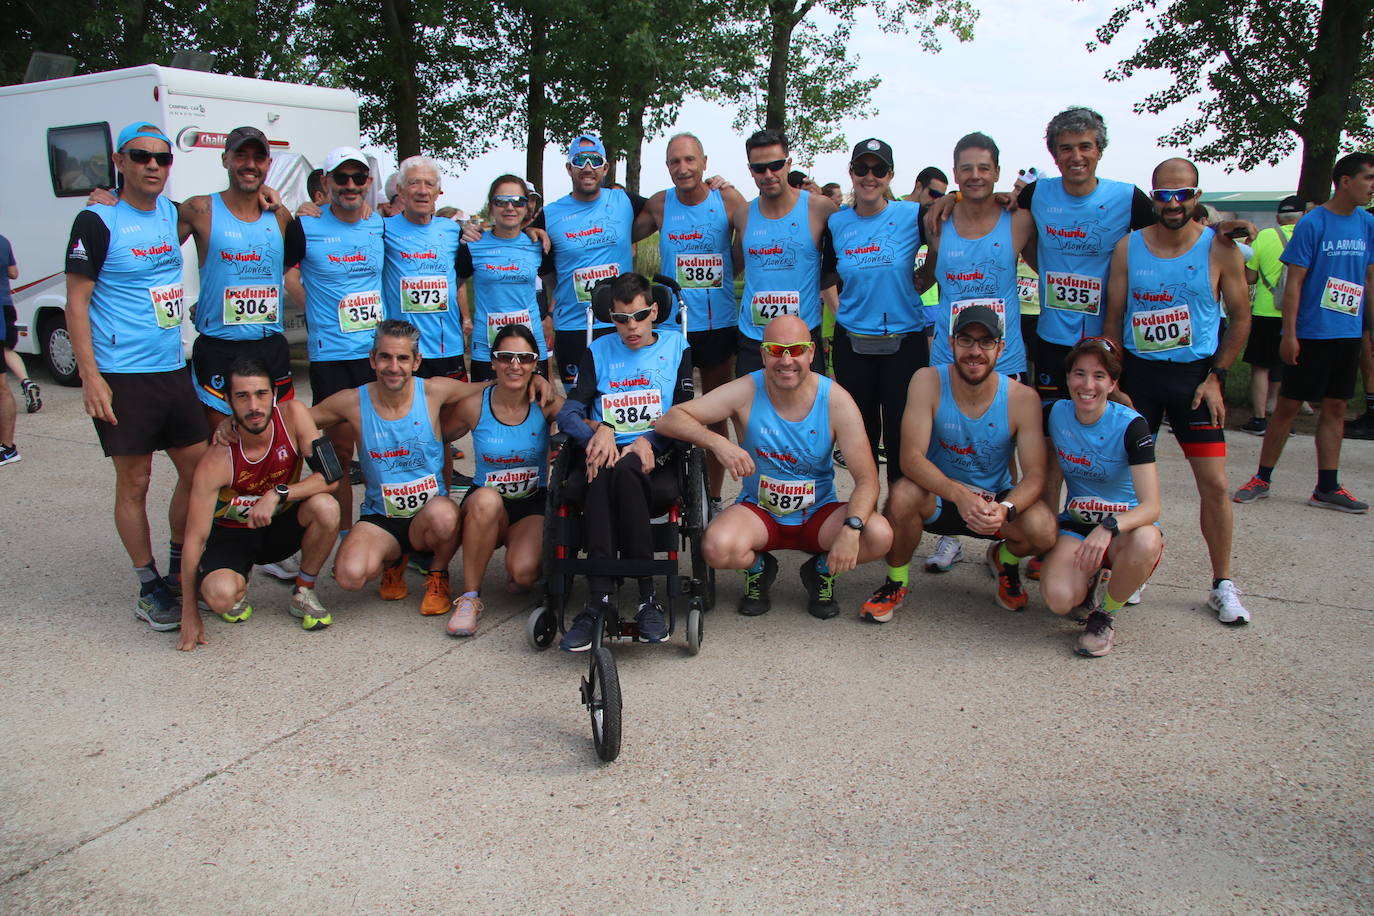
[788, 420]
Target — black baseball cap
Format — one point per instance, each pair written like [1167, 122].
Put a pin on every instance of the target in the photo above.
[978, 314]
[241, 135]
[1292, 204]
[873, 147]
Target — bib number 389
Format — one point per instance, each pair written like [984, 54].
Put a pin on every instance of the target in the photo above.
[404, 500]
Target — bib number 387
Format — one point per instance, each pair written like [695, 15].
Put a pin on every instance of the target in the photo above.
[783, 497]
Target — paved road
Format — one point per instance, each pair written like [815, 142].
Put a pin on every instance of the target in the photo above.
[959, 759]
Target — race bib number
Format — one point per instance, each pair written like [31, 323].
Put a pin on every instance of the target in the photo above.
[1028, 290]
[496, 321]
[237, 509]
[584, 278]
[403, 500]
[1342, 296]
[986, 496]
[1090, 510]
[513, 483]
[997, 305]
[360, 311]
[783, 497]
[1073, 292]
[633, 411]
[169, 303]
[1165, 329]
[770, 305]
[424, 294]
[251, 305]
[700, 271]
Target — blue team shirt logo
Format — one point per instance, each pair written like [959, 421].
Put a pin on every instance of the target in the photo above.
[405, 456]
[256, 261]
[775, 254]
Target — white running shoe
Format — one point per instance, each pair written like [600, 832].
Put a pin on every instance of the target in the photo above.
[1225, 601]
[947, 552]
[1137, 596]
[285, 570]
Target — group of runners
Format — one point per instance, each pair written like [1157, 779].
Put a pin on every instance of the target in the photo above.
[1140, 305]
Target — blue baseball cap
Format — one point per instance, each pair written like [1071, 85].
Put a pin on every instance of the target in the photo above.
[140, 129]
[579, 145]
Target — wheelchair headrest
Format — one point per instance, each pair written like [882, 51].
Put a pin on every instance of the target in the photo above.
[601, 301]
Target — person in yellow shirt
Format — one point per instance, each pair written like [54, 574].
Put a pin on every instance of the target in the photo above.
[1263, 270]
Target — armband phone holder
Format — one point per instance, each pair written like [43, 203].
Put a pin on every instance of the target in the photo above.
[323, 460]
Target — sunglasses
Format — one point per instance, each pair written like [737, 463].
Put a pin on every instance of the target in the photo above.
[1164, 195]
[510, 201]
[787, 349]
[523, 357]
[860, 169]
[1106, 344]
[759, 168]
[143, 157]
[983, 343]
[587, 160]
[627, 317]
[343, 178]
[934, 194]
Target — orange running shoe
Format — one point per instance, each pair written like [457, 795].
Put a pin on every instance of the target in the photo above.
[1033, 566]
[1010, 595]
[393, 587]
[880, 607]
[437, 597]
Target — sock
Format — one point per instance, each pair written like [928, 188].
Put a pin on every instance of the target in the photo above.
[1265, 473]
[1111, 605]
[147, 575]
[1328, 481]
[1216, 583]
[900, 574]
[823, 564]
[305, 579]
[470, 594]
[758, 563]
[1006, 557]
[646, 589]
[174, 558]
[438, 572]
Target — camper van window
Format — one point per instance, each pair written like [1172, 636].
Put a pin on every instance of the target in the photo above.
[79, 159]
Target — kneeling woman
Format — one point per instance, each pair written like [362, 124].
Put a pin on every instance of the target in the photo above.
[1107, 454]
[510, 442]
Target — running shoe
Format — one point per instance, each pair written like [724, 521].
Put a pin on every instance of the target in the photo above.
[438, 598]
[285, 570]
[1225, 601]
[355, 473]
[240, 612]
[467, 610]
[393, 587]
[579, 635]
[1137, 596]
[1010, 595]
[9, 454]
[755, 600]
[715, 506]
[305, 605]
[838, 457]
[882, 454]
[652, 626]
[1253, 489]
[880, 607]
[1362, 427]
[820, 590]
[1341, 500]
[158, 606]
[1255, 426]
[948, 550]
[1033, 567]
[33, 396]
[1098, 634]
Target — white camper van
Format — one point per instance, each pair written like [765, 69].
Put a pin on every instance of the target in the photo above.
[59, 136]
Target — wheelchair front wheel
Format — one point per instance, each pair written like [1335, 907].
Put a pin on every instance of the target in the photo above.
[541, 628]
[603, 702]
[694, 623]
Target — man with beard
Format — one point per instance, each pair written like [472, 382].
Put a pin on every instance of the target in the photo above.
[1164, 302]
[788, 420]
[962, 424]
[249, 504]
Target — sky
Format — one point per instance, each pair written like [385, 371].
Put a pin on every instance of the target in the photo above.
[1027, 61]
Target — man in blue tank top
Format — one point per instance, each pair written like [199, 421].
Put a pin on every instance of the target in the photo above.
[697, 248]
[125, 306]
[781, 235]
[788, 419]
[1164, 303]
[334, 265]
[962, 425]
[1326, 310]
[241, 250]
[625, 384]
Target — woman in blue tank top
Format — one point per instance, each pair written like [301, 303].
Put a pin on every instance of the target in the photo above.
[1107, 454]
[510, 445]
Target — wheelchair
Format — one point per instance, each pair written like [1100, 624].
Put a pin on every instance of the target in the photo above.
[678, 524]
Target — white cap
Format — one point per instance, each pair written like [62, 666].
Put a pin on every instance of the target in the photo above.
[339, 155]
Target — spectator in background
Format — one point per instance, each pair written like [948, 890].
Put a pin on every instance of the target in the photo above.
[392, 190]
[833, 190]
[1264, 271]
[314, 188]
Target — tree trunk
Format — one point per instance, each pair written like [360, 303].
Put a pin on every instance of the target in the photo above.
[781, 21]
[536, 102]
[634, 147]
[405, 106]
[1334, 61]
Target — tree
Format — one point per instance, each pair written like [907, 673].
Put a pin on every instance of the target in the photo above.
[1269, 75]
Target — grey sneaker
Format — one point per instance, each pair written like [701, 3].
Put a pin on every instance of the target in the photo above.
[947, 552]
[1340, 500]
[159, 607]
[305, 606]
[33, 396]
[1253, 489]
[285, 570]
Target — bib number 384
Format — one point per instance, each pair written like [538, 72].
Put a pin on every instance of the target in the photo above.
[404, 500]
[783, 497]
[633, 411]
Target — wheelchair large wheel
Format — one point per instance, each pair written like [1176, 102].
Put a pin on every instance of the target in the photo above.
[556, 585]
[603, 702]
[541, 628]
[698, 516]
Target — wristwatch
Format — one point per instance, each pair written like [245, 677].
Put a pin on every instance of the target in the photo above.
[855, 522]
[282, 491]
[1011, 509]
[1220, 373]
[1110, 524]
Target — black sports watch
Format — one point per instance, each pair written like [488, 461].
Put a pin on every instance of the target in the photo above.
[1110, 523]
[282, 491]
[855, 522]
[1220, 373]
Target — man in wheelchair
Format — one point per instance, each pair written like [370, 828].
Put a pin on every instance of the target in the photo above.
[626, 382]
